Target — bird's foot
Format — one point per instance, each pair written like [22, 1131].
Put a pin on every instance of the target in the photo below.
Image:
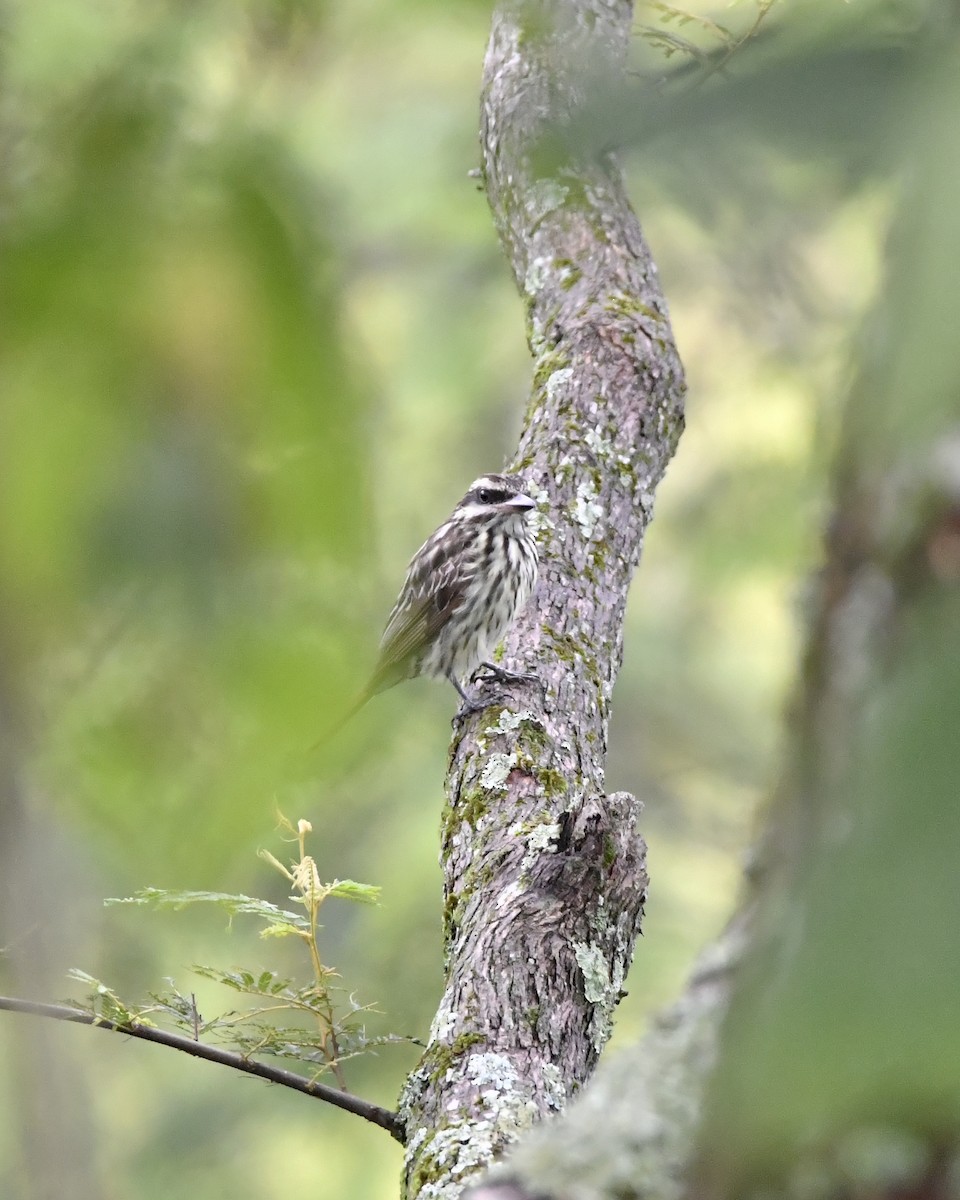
[475, 704]
[472, 703]
[499, 674]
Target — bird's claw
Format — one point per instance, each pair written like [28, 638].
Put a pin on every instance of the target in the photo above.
[470, 706]
[497, 674]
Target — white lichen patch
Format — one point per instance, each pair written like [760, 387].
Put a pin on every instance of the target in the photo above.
[539, 518]
[450, 1155]
[456, 1152]
[444, 1023]
[416, 1142]
[542, 837]
[500, 1086]
[539, 495]
[586, 510]
[595, 441]
[537, 272]
[553, 1086]
[461, 1150]
[509, 721]
[543, 196]
[539, 839]
[494, 1072]
[557, 380]
[599, 920]
[496, 770]
[596, 977]
[515, 1115]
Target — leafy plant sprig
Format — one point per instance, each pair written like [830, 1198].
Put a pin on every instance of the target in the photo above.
[722, 43]
[333, 1028]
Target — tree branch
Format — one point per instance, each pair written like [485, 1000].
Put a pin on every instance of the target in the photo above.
[866, 803]
[632, 1131]
[544, 874]
[228, 1058]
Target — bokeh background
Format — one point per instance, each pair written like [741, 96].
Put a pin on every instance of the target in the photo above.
[257, 337]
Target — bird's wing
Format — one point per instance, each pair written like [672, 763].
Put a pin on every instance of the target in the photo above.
[433, 590]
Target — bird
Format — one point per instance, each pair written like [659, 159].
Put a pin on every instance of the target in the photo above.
[463, 590]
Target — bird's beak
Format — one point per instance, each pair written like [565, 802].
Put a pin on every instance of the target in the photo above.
[519, 503]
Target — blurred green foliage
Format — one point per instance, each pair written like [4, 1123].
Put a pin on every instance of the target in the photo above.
[256, 334]
[841, 1056]
[184, 484]
[839, 1075]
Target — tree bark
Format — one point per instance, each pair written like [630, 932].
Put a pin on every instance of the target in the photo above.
[544, 874]
[814, 1052]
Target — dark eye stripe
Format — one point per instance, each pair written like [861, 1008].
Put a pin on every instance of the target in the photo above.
[492, 495]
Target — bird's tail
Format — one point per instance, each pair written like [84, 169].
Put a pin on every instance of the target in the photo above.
[344, 719]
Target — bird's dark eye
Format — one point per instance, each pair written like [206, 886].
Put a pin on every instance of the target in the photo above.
[492, 495]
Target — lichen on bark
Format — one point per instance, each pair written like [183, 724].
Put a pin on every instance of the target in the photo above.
[544, 874]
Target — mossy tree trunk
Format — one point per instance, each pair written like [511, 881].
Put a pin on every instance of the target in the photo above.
[815, 1050]
[545, 874]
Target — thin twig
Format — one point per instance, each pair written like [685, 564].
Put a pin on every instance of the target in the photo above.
[763, 7]
[228, 1058]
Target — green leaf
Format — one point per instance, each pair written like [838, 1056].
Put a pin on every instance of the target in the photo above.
[348, 889]
[280, 930]
[231, 903]
[103, 1001]
[265, 983]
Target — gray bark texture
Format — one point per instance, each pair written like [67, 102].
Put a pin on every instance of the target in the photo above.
[544, 874]
[813, 1053]
[633, 1130]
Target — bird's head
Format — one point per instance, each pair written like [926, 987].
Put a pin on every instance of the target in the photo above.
[492, 496]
